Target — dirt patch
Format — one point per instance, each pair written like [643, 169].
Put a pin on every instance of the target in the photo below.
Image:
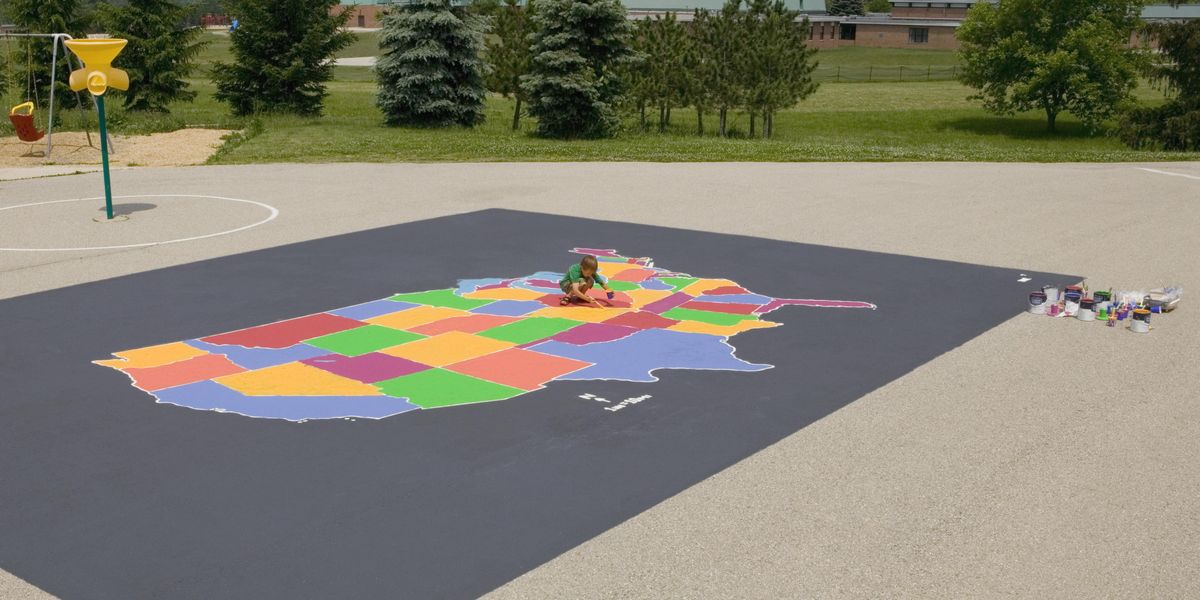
[182, 147]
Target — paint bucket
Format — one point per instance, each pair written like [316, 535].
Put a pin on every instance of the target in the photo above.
[1140, 323]
[1051, 293]
[1102, 314]
[1037, 303]
[1071, 300]
[1087, 310]
[1054, 310]
[1103, 296]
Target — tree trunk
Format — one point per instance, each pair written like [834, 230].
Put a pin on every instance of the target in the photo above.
[642, 114]
[753, 115]
[517, 115]
[662, 118]
[721, 117]
[668, 115]
[1051, 117]
[699, 121]
[766, 132]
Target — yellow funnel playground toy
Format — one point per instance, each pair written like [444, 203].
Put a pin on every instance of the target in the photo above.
[97, 75]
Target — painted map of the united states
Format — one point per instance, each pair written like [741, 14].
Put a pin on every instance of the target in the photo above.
[486, 340]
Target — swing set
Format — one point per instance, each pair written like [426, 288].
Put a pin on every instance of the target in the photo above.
[22, 115]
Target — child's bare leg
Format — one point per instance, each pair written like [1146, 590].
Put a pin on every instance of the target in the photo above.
[579, 291]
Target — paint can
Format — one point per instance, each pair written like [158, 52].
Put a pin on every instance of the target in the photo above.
[1071, 300]
[1051, 292]
[1103, 296]
[1087, 310]
[1054, 310]
[1037, 303]
[1140, 323]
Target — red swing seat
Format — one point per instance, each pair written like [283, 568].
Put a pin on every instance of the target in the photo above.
[21, 116]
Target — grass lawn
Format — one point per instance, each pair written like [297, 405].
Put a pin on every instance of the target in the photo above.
[845, 122]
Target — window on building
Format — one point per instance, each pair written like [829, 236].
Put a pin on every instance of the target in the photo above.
[918, 35]
[362, 20]
[849, 31]
[822, 31]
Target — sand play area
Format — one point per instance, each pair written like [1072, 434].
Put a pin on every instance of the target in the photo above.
[175, 148]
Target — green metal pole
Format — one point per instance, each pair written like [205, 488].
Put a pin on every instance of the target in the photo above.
[104, 155]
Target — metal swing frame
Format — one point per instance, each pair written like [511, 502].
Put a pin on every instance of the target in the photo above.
[59, 39]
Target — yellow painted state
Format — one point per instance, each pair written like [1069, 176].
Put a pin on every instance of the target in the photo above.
[98, 74]
[447, 348]
[504, 294]
[586, 314]
[152, 356]
[721, 330]
[641, 297]
[609, 269]
[295, 379]
[416, 316]
[698, 288]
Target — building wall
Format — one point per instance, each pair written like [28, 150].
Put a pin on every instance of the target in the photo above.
[363, 15]
[896, 36]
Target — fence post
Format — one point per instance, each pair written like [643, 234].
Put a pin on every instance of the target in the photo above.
[871, 73]
[928, 72]
[839, 74]
[901, 73]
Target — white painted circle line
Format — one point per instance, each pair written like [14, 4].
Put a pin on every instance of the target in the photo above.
[271, 217]
[1185, 176]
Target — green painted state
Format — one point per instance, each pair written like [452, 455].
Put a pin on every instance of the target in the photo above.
[438, 387]
[623, 286]
[528, 330]
[705, 316]
[678, 282]
[446, 298]
[362, 340]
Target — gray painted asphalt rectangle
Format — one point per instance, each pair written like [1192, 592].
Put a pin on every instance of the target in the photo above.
[108, 495]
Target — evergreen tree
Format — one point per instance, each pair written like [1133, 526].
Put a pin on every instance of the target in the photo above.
[574, 85]
[666, 50]
[879, 6]
[430, 73]
[635, 72]
[160, 54]
[695, 68]
[36, 54]
[509, 52]
[779, 64]
[719, 43]
[283, 53]
[845, 8]
[1062, 56]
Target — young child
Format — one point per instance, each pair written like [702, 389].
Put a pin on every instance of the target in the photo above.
[579, 279]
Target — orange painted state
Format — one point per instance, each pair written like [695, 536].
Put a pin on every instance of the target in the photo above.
[191, 370]
[519, 368]
[471, 324]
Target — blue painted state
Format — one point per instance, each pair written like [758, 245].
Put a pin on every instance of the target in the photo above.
[654, 284]
[634, 357]
[466, 286]
[259, 358]
[371, 309]
[509, 308]
[210, 395]
[736, 299]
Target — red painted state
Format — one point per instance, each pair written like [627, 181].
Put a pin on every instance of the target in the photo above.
[199, 368]
[726, 291]
[285, 334]
[634, 275]
[721, 307]
[522, 369]
[470, 324]
[641, 320]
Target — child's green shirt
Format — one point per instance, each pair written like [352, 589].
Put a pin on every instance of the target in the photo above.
[575, 273]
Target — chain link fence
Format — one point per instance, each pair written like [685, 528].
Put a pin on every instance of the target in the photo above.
[868, 73]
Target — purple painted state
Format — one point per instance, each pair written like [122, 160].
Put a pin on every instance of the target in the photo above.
[634, 358]
[654, 284]
[503, 284]
[592, 333]
[662, 306]
[210, 395]
[368, 310]
[509, 308]
[776, 304]
[543, 283]
[737, 299]
[367, 368]
[260, 358]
